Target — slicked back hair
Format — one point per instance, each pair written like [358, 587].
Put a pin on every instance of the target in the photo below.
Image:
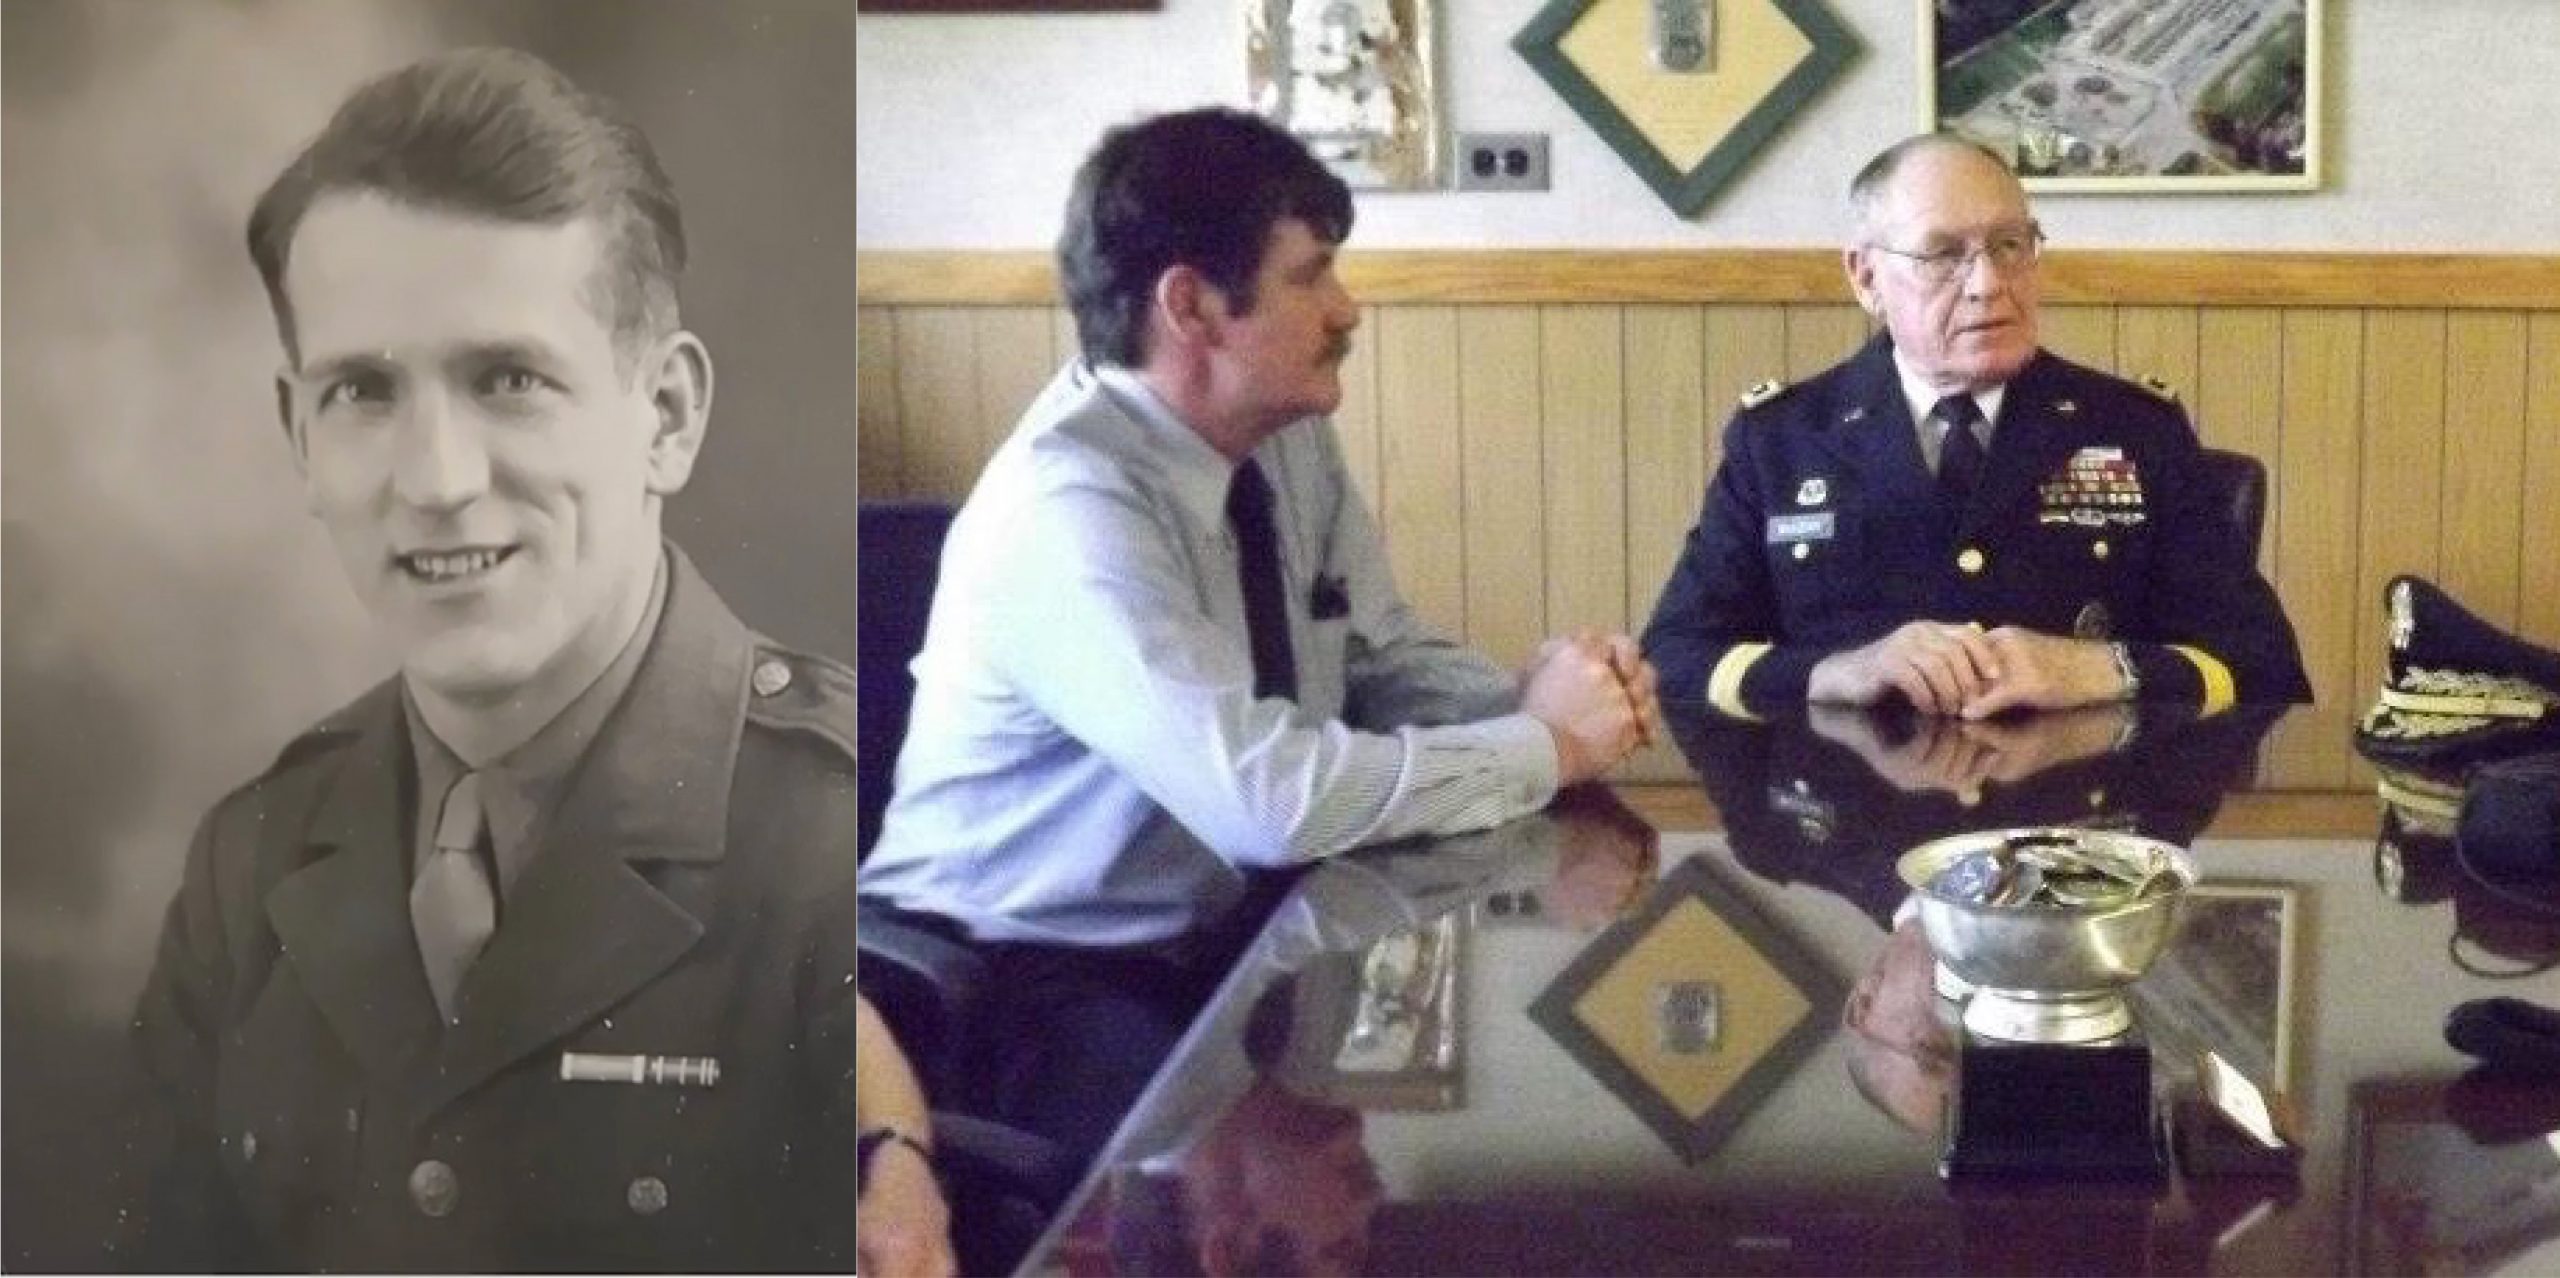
[501, 134]
[1199, 188]
[1868, 186]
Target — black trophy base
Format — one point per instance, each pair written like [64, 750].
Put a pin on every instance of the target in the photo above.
[2047, 1111]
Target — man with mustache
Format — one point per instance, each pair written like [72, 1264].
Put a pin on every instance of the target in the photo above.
[538, 955]
[1956, 517]
[1166, 659]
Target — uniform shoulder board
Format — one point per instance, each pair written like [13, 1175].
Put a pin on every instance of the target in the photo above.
[804, 693]
[2158, 387]
[1762, 392]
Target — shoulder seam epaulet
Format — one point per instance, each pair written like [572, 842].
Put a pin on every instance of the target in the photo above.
[2157, 387]
[818, 698]
[1763, 391]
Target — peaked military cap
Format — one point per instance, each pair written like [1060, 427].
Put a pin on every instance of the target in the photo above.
[2458, 689]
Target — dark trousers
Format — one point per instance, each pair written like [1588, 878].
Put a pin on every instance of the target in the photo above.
[1069, 1036]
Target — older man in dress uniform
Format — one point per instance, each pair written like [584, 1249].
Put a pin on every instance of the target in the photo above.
[540, 954]
[1955, 517]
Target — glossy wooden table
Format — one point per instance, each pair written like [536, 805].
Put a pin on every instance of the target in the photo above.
[1579, 1044]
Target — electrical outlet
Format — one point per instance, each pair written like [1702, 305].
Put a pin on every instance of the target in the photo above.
[1502, 161]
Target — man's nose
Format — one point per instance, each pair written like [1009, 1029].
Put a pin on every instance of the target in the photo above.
[1980, 277]
[442, 459]
[1345, 309]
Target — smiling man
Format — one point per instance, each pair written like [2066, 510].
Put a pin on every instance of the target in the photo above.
[538, 955]
[1166, 661]
[1955, 517]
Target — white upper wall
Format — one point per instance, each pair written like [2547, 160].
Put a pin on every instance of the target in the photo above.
[2441, 135]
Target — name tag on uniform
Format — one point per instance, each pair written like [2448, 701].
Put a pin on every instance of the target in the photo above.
[1788, 530]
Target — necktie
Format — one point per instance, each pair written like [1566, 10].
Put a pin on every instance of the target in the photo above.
[453, 905]
[1266, 603]
[1960, 451]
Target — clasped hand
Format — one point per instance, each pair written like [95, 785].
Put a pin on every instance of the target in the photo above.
[1595, 693]
[1946, 668]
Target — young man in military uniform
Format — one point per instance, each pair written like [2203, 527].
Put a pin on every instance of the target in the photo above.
[1956, 517]
[540, 954]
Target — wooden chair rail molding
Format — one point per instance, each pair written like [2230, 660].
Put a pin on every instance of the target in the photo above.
[2144, 278]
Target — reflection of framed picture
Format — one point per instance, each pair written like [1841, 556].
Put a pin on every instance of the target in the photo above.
[2132, 95]
[1690, 1008]
[2225, 984]
[1379, 1028]
[1353, 79]
[2456, 1176]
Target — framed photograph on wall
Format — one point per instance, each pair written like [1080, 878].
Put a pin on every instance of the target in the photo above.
[2101, 96]
[1354, 80]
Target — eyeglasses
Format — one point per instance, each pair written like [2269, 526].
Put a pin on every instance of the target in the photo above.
[2008, 252]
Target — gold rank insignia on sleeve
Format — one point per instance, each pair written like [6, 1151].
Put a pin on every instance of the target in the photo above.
[1762, 392]
[2160, 388]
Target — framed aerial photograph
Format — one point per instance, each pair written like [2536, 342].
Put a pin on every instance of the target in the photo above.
[1354, 80]
[2225, 985]
[2098, 96]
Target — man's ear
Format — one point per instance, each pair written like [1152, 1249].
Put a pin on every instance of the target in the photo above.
[679, 384]
[1189, 308]
[297, 436]
[1860, 267]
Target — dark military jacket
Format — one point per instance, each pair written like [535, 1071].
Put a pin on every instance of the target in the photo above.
[692, 898]
[1824, 530]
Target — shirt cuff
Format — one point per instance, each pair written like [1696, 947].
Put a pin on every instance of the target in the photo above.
[1526, 754]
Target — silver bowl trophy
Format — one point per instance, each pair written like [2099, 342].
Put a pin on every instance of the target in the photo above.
[2037, 932]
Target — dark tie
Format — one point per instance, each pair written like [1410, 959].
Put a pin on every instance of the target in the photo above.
[1960, 451]
[453, 905]
[1266, 600]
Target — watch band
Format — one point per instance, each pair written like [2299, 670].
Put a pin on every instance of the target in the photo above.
[2124, 668]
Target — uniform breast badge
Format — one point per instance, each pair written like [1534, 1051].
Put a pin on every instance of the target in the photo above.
[2093, 622]
[1813, 492]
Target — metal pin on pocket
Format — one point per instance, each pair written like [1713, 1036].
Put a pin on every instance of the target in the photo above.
[667, 1071]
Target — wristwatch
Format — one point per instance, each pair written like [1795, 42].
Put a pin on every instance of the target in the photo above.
[872, 1141]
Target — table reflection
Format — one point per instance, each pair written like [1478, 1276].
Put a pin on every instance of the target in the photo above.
[1561, 1046]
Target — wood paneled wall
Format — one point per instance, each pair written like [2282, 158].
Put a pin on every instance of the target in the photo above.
[1536, 430]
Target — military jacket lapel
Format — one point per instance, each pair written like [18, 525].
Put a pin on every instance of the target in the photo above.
[343, 916]
[1872, 433]
[2037, 434]
[584, 927]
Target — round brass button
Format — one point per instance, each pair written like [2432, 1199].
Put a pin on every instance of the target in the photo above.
[1802, 551]
[647, 1195]
[771, 677]
[2098, 548]
[1970, 560]
[434, 1187]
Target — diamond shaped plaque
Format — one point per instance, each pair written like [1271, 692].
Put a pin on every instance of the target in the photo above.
[1690, 1009]
[1687, 117]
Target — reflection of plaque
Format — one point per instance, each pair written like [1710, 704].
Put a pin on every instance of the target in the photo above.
[1690, 1008]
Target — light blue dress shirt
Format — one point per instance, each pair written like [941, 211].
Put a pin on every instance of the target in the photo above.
[1086, 762]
